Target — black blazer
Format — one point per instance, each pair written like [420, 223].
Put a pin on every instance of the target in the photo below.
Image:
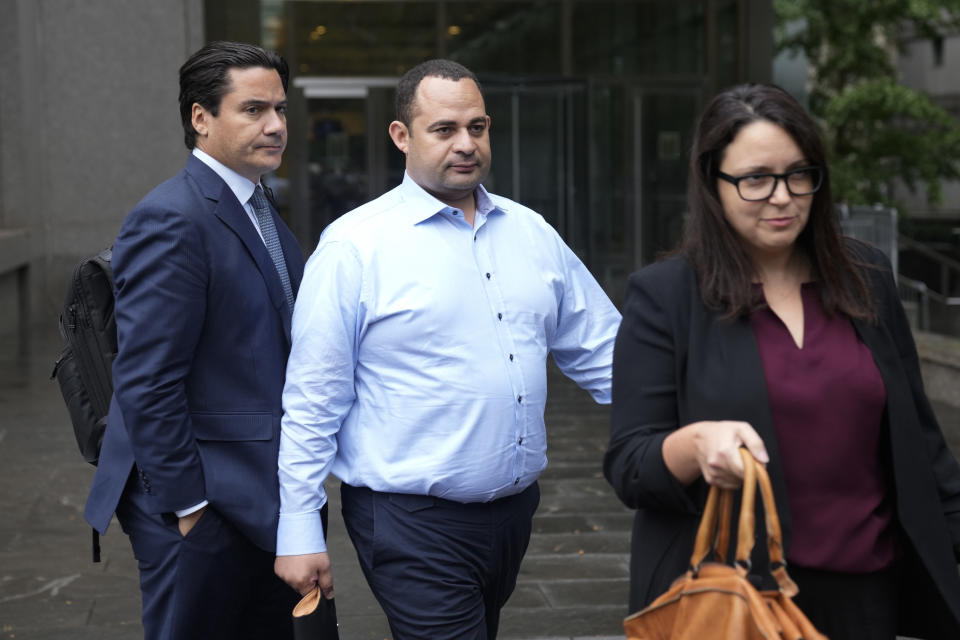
[676, 362]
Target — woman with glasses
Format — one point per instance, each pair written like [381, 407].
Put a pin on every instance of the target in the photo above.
[768, 330]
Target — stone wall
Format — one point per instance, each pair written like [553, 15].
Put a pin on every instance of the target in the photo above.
[88, 124]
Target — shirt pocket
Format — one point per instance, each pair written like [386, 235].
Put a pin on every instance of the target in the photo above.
[530, 330]
[232, 427]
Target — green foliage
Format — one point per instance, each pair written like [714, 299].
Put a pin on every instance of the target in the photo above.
[882, 131]
[876, 129]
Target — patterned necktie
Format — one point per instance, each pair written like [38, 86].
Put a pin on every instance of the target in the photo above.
[270, 238]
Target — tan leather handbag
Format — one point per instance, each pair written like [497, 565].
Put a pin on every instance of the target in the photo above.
[715, 600]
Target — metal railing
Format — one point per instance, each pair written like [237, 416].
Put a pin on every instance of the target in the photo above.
[949, 272]
[930, 306]
[915, 297]
[874, 225]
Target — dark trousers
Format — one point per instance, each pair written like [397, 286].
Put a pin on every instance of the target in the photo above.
[211, 584]
[440, 569]
[849, 606]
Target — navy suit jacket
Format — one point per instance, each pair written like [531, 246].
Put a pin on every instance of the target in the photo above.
[204, 332]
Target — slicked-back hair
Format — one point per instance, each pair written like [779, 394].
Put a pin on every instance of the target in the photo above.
[717, 253]
[204, 79]
[438, 68]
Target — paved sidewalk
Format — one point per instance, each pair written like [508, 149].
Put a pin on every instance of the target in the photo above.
[573, 582]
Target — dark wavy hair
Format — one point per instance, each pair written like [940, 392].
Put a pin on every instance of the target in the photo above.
[204, 80]
[723, 266]
[438, 68]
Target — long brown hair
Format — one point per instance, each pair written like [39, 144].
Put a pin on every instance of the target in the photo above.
[723, 267]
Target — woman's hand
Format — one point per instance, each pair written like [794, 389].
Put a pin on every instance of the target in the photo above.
[711, 449]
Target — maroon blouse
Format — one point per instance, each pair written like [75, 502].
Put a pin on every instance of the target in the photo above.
[827, 401]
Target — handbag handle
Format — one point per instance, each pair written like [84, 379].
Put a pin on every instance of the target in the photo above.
[719, 507]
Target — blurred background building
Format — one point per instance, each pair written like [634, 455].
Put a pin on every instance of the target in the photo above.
[592, 103]
[930, 233]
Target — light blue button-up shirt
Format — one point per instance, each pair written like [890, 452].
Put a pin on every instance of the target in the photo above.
[419, 354]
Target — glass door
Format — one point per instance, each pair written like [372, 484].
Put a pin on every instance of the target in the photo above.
[537, 136]
[663, 126]
[342, 152]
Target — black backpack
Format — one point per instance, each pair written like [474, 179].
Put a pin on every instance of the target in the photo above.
[84, 368]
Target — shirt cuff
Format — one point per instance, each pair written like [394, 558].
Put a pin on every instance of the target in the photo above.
[185, 512]
[300, 533]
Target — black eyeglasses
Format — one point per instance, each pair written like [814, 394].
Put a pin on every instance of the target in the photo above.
[760, 186]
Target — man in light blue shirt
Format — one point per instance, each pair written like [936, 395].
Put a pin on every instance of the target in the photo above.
[418, 374]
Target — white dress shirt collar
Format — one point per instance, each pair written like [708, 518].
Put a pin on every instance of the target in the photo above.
[422, 205]
[241, 187]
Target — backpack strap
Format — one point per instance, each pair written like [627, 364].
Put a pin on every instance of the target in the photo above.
[96, 544]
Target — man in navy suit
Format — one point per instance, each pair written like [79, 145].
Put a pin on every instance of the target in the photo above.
[206, 273]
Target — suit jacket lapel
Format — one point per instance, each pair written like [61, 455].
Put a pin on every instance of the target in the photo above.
[229, 210]
[745, 388]
[873, 336]
[292, 254]
[885, 355]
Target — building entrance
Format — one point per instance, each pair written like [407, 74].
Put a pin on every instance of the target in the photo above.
[592, 102]
[538, 139]
[604, 163]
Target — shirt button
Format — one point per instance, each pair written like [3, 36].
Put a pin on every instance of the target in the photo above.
[520, 399]
[511, 357]
[488, 276]
[499, 316]
[520, 441]
[517, 481]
